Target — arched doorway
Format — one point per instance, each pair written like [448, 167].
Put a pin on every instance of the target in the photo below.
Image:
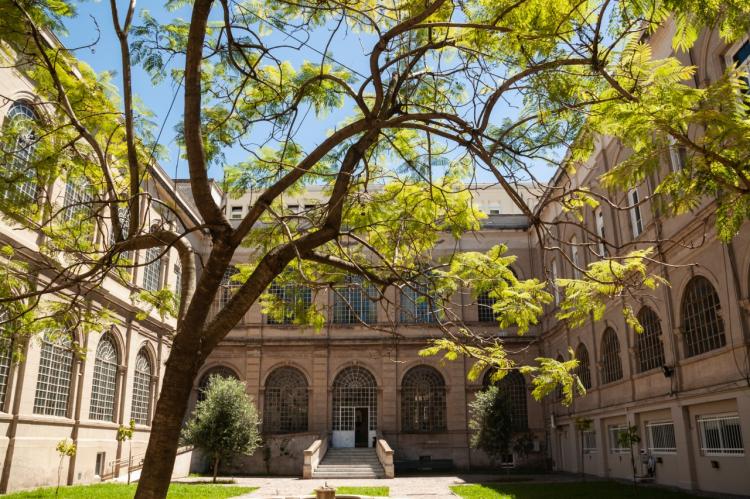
[355, 408]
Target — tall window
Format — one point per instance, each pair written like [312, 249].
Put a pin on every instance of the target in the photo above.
[583, 370]
[677, 155]
[648, 345]
[77, 199]
[513, 385]
[636, 221]
[611, 365]
[152, 269]
[484, 306]
[354, 387]
[555, 287]
[702, 325]
[220, 371]
[294, 299]
[228, 286]
[6, 354]
[354, 302]
[177, 280]
[55, 370]
[105, 380]
[601, 232]
[721, 435]
[19, 120]
[417, 304]
[589, 441]
[574, 257]
[285, 402]
[742, 59]
[423, 401]
[559, 394]
[140, 409]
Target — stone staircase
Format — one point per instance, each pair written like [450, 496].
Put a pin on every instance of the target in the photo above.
[349, 463]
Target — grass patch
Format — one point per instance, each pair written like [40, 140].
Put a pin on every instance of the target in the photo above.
[590, 490]
[362, 491]
[125, 491]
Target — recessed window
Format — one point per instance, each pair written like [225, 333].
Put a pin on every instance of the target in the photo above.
[702, 324]
[648, 345]
[555, 287]
[55, 370]
[354, 302]
[721, 435]
[141, 407]
[611, 364]
[661, 439]
[295, 300]
[236, 212]
[615, 445]
[583, 369]
[741, 58]
[423, 405]
[101, 459]
[20, 121]
[589, 441]
[600, 231]
[574, 257]
[152, 269]
[636, 221]
[677, 155]
[285, 402]
[104, 383]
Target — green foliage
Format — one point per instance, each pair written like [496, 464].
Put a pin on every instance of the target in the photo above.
[591, 490]
[125, 432]
[490, 422]
[66, 448]
[124, 491]
[225, 422]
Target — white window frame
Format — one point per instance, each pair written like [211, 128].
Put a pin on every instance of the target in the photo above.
[676, 153]
[574, 257]
[235, 212]
[722, 450]
[614, 446]
[589, 441]
[636, 217]
[554, 282]
[729, 56]
[655, 426]
[600, 231]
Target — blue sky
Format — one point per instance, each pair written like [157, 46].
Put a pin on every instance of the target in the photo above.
[346, 49]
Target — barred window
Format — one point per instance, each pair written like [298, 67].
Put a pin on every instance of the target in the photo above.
[721, 435]
[123, 213]
[220, 371]
[354, 387]
[648, 345]
[559, 394]
[702, 325]
[615, 446]
[611, 365]
[228, 286]
[20, 118]
[423, 405]
[661, 439]
[355, 302]
[583, 370]
[105, 380]
[484, 304]
[152, 269]
[294, 299]
[513, 385]
[55, 371]
[285, 401]
[6, 354]
[77, 199]
[589, 441]
[417, 304]
[140, 409]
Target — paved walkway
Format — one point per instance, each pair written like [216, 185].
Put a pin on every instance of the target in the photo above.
[417, 487]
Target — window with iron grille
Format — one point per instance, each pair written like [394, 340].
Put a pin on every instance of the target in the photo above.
[484, 305]
[20, 118]
[228, 286]
[140, 409]
[220, 371]
[615, 446]
[104, 383]
[355, 302]
[417, 304]
[702, 325]
[354, 387]
[423, 401]
[152, 269]
[285, 401]
[648, 345]
[77, 199]
[123, 213]
[559, 394]
[55, 370]
[583, 370]
[6, 354]
[589, 441]
[611, 364]
[294, 299]
[513, 385]
[721, 435]
[661, 439]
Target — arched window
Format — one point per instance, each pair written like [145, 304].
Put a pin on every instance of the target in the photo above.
[6, 354]
[611, 364]
[354, 387]
[140, 409]
[418, 306]
[55, 370]
[702, 325]
[19, 119]
[583, 371]
[559, 394]
[354, 302]
[104, 384]
[285, 402]
[423, 401]
[648, 345]
[221, 371]
[513, 385]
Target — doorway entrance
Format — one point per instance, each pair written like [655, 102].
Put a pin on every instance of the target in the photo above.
[361, 427]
